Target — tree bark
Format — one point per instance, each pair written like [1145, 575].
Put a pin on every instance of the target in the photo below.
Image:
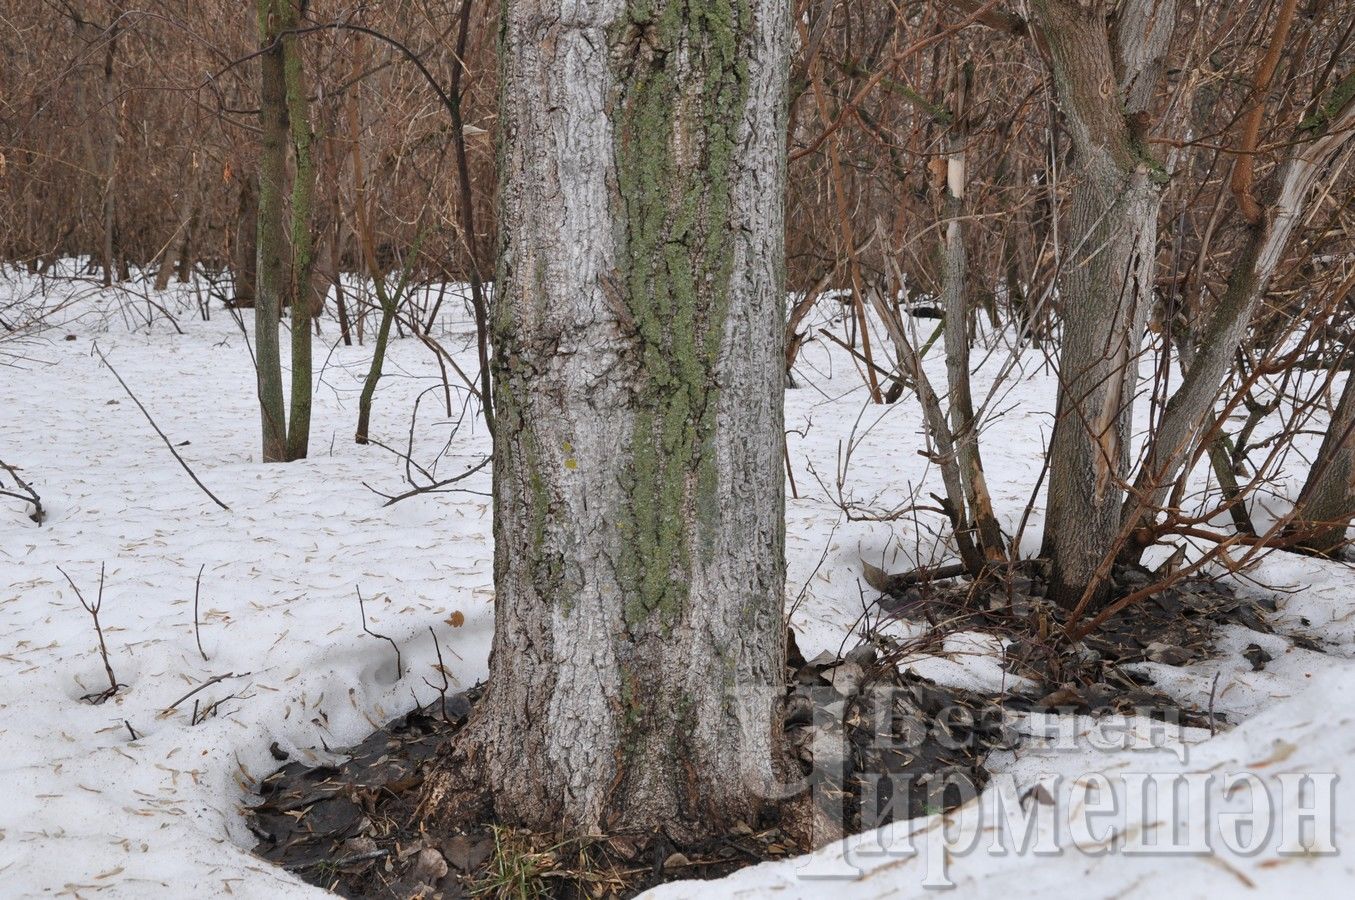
[638, 380]
[272, 246]
[1327, 502]
[1104, 77]
[303, 189]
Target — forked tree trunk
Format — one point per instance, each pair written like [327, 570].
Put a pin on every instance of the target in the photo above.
[1104, 75]
[1327, 503]
[638, 378]
[285, 257]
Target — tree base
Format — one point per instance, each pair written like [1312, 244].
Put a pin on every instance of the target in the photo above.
[409, 814]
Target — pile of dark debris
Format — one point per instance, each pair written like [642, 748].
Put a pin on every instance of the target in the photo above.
[1176, 626]
[856, 724]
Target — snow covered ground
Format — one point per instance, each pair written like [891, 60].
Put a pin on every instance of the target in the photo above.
[134, 798]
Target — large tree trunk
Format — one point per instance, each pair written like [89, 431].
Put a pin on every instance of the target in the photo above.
[638, 378]
[1327, 503]
[1104, 75]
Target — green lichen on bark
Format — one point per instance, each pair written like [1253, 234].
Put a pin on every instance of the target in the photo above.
[517, 452]
[681, 85]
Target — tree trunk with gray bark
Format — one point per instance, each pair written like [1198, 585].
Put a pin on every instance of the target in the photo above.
[284, 248]
[1327, 503]
[271, 270]
[1105, 73]
[638, 377]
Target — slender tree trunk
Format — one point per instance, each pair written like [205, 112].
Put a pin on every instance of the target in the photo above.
[1225, 470]
[383, 332]
[110, 195]
[178, 242]
[1327, 503]
[975, 499]
[367, 247]
[1104, 75]
[466, 208]
[272, 247]
[169, 261]
[638, 379]
[798, 312]
[336, 268]
[188, 253]
[1191, 404]
[844, 222]
[327, 271]
[303, 188]
[246, 249]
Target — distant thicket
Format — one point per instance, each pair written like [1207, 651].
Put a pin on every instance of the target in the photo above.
[129, 135]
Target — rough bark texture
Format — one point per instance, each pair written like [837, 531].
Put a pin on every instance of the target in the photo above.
[638, 379]
[1104, 77]
[1327, 502]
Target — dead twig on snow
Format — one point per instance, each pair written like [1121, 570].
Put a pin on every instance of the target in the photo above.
[144, 412]
[197, 590]
[362, 608]
[93, 610]
[215, 679]
[442, 670]
[28, 496]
